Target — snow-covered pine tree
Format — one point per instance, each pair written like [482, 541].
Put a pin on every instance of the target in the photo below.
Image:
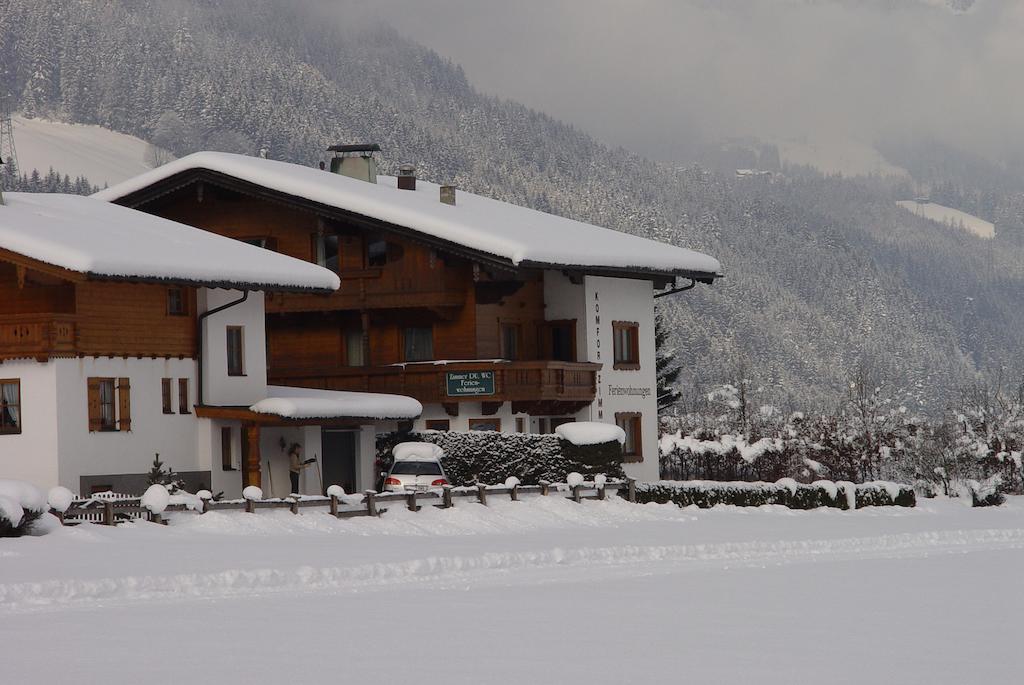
[167, 477]
[668, 369]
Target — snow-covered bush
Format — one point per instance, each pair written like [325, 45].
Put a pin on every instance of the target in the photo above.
[156, 498]
[786, 492]
[59, 498]
[252, 492]
[986, 493]
[491, 457]
[21, 505]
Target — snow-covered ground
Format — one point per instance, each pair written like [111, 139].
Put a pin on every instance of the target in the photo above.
[950, 216]
[542, 590]
[103, 156]
[836, 155]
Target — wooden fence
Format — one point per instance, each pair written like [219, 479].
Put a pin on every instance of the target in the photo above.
[107, 510]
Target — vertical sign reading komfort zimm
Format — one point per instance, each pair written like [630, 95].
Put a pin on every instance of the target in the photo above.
[597, 338]
[469, 383]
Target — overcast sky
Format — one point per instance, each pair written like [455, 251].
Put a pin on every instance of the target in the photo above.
[660, 75]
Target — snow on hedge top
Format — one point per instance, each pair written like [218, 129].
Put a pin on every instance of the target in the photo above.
[479, 223]
[88, 236]
[590, 432]
[308, 403]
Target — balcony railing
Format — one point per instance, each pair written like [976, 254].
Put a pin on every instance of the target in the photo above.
[37, 336]
[433, 382]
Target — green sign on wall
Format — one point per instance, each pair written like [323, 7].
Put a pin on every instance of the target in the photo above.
[469, 383]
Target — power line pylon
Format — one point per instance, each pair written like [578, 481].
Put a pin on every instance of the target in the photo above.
[7, 151]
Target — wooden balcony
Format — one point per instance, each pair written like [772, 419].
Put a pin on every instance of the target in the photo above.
[537, 387]
[37, 336]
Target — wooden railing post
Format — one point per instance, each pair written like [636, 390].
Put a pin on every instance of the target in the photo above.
[446, 497]
[631, 489]
[545, 487]
[577, 493]
[250, 506]
[481, 494]
[410, 500]
[156, 518]
[371, 502]
[294, 505]
[513, 493]
[334, 506]
[600, 492]
[108, 513]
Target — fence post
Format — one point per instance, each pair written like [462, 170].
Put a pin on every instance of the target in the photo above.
[631, 489]
[410, 500]
[481, 494]
[446, 497]
[108, 513]
[156, 518]
[294, 505]
[334, 506]
[600, 493]
[544, 487]
[250, 506]
[371, 502]
[513, 493]
[206, 506]
[577, 493]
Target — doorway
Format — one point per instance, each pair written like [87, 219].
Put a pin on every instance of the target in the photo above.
[339, 447]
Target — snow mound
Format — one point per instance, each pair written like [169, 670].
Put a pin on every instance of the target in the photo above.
[156, 498]
[59, 498]
[252, 492]
[10, 511]
[511, 482]
[336, 491]
[26, 495]
[574, 479]
[590, 433]
[417, 451]
[308, 403]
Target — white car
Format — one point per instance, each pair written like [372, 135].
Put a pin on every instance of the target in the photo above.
[417, 467]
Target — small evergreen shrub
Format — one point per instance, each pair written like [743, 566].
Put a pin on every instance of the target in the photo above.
[21, 505]
[786, 492]
[987, 493]
[491, 457]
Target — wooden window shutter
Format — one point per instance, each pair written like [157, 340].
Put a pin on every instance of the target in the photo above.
[95, 422]
[124, 399]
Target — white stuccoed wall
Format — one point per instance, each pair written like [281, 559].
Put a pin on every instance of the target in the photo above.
[173, 436]
[218, 387]
[32, 455]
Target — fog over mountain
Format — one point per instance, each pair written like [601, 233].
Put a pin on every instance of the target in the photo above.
[663, 77]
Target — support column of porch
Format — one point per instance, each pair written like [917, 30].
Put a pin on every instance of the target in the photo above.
[251, 474]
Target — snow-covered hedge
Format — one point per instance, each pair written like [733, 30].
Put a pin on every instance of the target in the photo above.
[787, 492]
[492, 457]
[21, 505]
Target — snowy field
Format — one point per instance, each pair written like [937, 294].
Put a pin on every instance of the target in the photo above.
[103, 156]
[951, 217]
[542, 590]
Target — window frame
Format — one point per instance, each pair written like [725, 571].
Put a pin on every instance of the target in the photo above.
[16, 430]
[476, 422]
[112, 426]
[183, 396]
[166, 395]
[231, 370]
[633, 419]
[405, 343]
[622, 362]
[182, 301]
[349, 336]
[516, 330]
[432, 424]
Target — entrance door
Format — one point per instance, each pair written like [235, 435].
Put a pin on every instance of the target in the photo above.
[339, 458]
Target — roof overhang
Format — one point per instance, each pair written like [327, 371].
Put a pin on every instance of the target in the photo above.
[187, 177]
[247, 415]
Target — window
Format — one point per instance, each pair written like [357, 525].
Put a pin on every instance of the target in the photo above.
[632, 447]
[183, 406]
[511, 333]
[438, 424]
[558, 421]
[236, 350]
[485, 424]
[627, 344]
[354, 352]
[10, 406]
[520, 425]
[165, 393]
[560, 340]
[326, 249]
[227, 462]
[109, 404]
[265, 243]
[419, 344]
[176, 303]
[376, 253]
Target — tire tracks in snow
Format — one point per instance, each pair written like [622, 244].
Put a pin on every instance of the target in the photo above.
[233, 583]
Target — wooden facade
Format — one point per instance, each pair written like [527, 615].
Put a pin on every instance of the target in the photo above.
[393, 285]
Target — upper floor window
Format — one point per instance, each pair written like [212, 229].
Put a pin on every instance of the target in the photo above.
[419, 344]
[355, 355]
[560, 340]
[10, 406]
[376, 253]
[109, 404]
[627, 344]
[236, 350]
[165, 395]
[326, 246]
[177, 305]
[183, 407]
[511, 334]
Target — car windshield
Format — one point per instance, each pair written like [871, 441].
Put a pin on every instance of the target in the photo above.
[416, 468]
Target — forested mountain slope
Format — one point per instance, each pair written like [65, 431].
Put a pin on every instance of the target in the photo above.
[823, 274]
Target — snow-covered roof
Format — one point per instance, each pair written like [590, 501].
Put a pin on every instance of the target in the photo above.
[518, 234]
[103, 240]
[308, 403]
[590, 432]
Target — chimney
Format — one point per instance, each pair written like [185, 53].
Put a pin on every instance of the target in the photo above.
[355, 161]
[448, 195]
[407, 177]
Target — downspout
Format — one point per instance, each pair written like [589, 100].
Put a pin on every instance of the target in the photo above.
[676, 290]
[199, 338]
